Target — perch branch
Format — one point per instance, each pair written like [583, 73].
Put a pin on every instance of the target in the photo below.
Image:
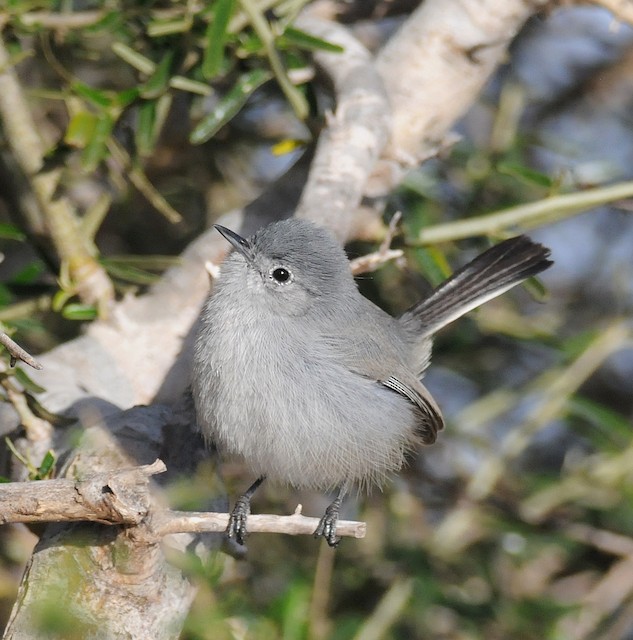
[296, 524]
[122, 497]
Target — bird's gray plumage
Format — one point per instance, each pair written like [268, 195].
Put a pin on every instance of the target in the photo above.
[306, 379]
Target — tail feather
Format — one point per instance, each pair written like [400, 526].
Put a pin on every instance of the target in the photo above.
[492, 273]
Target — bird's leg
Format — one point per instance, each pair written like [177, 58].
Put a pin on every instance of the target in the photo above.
[327, 524]
[237, 520]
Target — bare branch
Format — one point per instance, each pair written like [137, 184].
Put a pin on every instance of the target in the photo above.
[354, 135]
[294, 525]
[372, 261]
[17, 352]
[436, 64]
[117, 497]
[123, 497]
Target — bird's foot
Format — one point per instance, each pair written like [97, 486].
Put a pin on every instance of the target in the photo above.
[237, 520]
[327, 524]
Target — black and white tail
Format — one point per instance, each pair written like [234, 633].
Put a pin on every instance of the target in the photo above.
[496, 270]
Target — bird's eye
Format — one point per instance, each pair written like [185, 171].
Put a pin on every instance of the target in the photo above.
[281, 275]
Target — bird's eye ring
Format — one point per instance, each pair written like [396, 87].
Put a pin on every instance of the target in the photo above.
[281, 275]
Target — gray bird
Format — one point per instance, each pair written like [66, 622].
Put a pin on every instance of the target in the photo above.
[310, 383]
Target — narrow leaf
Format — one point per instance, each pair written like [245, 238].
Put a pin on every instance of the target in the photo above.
[26, 381]
[216, 36]
[45, 468]
[133, 58]
[130, 274]
[306, 41]
[95, 96]
[75, 311]
[80, 129]
[158, 82]
[229, 105]
[96, 149]
[9, 231]
[525, 174]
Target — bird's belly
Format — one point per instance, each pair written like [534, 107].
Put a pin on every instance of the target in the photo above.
[304, 419]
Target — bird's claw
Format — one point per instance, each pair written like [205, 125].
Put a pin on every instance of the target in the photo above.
[236, 527]
[327, 526]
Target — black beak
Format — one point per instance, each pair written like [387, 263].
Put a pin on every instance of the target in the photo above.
[241, 245]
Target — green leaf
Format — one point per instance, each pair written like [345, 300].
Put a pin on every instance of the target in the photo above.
[615, 425]
[150, 262]
[158, 82]
[151, 118]
[80, 129]
[4, 480]
[29, 273]
[96, 96]
[525, 174]
[9, 231]
[46, 466]
[216, 37]
[306, 41]
[96, 149]
[26, 381]
[126, 97]
[183, 83]
[109, 23]
[76, 311]
[229, 105]
[145, 135]
[536, 288]
[249, 44]
[432, 263]
[133, 58]
[158, 28]
[578, 343]
[130, 273]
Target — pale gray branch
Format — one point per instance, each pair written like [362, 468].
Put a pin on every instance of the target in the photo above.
[435, 66]
[354, 136]
[294, 525]
[123, 497]
[114, 497]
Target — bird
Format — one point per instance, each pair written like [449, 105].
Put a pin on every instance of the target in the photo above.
[310, 383]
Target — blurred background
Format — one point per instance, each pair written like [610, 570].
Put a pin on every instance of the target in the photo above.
[518, 523]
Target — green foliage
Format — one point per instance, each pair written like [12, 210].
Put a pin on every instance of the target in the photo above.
[219, 47]
[44, 471]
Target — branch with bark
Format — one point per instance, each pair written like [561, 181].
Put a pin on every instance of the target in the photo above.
[122, 497]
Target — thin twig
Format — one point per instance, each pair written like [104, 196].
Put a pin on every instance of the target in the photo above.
[17, 352]
[372, 261]
[138, 178]
[526, 216]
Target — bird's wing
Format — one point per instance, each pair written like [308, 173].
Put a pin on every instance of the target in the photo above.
[376, 355]
[428, 414]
